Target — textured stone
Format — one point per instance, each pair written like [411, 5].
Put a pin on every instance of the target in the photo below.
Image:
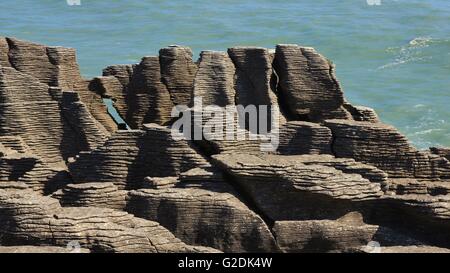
[338, 180]
[307, 84]
[362, 113]
[287, 188]
[55, 67]
[101, 195]
[28, 218]
[323, 235]
[139, 94]
[53, 130]
[128, 157]
[177, 72]
[402, 186]
[383, 146]
[214, 81]
[301, 137]
[425, 205]
[4, 52]
[19, 168]
[443, 152]
[160, 182]
[148, 98]
[90, 97]
[202, 217]
[40, 249]
[253, 78]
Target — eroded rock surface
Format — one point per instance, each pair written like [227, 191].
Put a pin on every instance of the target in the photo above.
[28, 218]
[307, 83]
[336, 180]
[127, 157]
[300, 187]
[204, 217]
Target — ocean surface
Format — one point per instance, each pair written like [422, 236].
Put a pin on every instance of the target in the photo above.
[393, 57]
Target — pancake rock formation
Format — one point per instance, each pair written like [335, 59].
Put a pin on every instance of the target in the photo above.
[72, 179]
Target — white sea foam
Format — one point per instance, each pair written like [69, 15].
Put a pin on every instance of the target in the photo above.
[425, 132]
[421, 42]
[413, 51]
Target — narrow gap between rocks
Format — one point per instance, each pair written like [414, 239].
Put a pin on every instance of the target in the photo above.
[9, 43]
[112, 111]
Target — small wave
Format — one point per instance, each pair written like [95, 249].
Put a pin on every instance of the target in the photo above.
[413, 51]
[426, 132]
[421, 42]
[419, 105]
[404, 60]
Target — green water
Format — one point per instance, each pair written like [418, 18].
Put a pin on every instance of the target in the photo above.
[394, 57]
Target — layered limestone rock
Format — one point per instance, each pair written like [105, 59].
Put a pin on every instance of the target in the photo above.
[28, 218]
[19, 166]
[402, 186]
[204, 217]
[177, 72]
[323, 235]
[149, 98]
[330, 178]
[307, 84]
[301, 137]
[421, 216]
[53, 129]
[253, 82]
[128, 157]
[140, 95]
[253, 76]
[55, 67]
[383, 146]
[299, 187]
[362, 113]
[444, 152]
[214, 81]
[425, 205]
[41, 249]
[101, 195]
[4, 50]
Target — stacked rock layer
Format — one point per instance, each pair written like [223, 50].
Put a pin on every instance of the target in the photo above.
[335, 179]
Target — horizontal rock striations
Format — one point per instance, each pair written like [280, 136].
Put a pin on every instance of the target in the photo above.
[285, 187]
[307, 84]
[140, 95]
[55, 67]
[204, 217]
[317, 174]
[54, 125]
[28, 218]
[128, 157]
[383, 146]
[324, 235]
[101, 195]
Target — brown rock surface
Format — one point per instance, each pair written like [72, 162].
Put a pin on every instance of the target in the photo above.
[383, 146]
[286, 187]
[28, 218]
[338, 179]
[40, 249]
[204, 217]
[322, 236]
[128, 157]
[307, 83]
[177, 72]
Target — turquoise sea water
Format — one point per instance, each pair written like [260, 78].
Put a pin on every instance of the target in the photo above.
[394, 57]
